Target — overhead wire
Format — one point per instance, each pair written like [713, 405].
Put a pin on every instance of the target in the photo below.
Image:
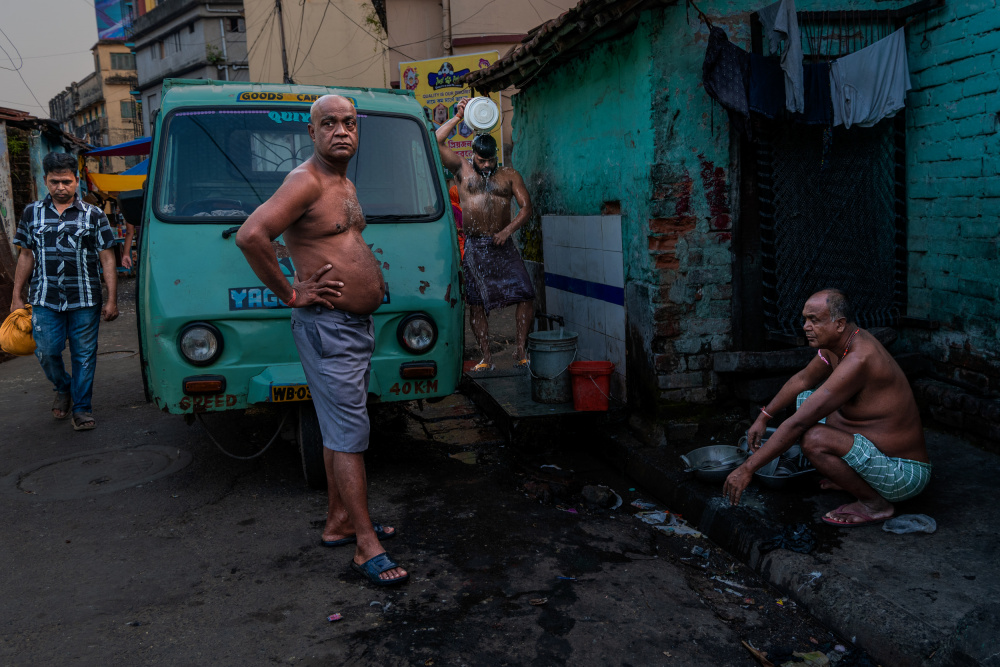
[295, 68]
[377, 38]
[17, 70]
[298, 38]
[342, 49]
[263, 29]
[439, 34]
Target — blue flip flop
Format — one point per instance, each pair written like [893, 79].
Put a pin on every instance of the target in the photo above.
[371, 569]
[351, 539]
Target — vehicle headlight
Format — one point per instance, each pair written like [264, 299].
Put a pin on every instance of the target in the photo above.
[200, 343]
[417, 333]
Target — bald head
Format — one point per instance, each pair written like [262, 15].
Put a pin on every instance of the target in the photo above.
[329, 103]
[837, 303]
[333, 127]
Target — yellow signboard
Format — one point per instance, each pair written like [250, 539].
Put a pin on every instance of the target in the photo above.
[298, 98]
[436, 84]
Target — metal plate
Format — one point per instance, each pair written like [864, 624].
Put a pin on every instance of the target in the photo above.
[288, 393]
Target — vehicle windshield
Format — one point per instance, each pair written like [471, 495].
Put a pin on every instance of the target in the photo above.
[218, 165]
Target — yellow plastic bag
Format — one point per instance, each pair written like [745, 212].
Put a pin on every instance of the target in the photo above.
[15, 333]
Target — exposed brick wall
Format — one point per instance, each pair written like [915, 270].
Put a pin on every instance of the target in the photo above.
[690, 233]
[953, 137]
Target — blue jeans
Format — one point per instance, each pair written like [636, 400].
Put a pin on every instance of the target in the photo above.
[51, 328]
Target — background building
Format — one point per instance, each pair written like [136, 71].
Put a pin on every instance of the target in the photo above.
[192, 39]
[100, 109]
[360, 43]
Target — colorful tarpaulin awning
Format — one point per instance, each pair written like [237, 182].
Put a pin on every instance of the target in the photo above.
[140, 146]
[140, 169]
[116, 182]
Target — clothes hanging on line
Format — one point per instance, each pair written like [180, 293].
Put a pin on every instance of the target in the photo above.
[726, 76]
[819, 107]
[870, 84]
[767, 86]
[767, 91]
[780, 22]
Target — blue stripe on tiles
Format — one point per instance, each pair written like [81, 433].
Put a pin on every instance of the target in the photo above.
[615, 295]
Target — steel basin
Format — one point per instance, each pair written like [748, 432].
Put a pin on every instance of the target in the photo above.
[715, 462]
[786, 469]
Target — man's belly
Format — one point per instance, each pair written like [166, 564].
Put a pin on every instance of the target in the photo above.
[357, 268]
[485, 216]
[893, 437]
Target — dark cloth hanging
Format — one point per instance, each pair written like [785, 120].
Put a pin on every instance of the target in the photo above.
[819, 106]
[726, 77]
[767, 86]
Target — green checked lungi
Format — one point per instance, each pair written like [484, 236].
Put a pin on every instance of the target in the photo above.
[894, 478]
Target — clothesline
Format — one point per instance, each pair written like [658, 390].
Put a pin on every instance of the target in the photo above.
[842, 92]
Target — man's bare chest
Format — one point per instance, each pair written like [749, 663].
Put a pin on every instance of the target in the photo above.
[333, 215]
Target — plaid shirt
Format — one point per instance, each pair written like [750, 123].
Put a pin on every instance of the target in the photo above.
[67, 273]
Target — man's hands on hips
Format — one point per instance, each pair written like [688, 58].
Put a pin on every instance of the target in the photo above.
[110, 311]
[316, 289]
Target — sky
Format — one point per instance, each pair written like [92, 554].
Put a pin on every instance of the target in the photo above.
[54, 38]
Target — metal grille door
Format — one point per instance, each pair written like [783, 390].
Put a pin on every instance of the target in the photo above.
[832, 213]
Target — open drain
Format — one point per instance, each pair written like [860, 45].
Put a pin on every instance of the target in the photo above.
[91, 473]
[117, 354]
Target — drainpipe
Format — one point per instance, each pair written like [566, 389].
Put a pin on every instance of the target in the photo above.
[446, 24]
[225, 56]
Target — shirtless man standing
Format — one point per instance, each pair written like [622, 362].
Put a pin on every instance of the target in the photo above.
[495, 276]
[317, 210]
[871, 443]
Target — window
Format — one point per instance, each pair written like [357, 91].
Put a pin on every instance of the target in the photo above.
[122, 61]
[128, 109]
[242, 156]
[191, 27]
[163, 49]
[175, 42]
[234, 24]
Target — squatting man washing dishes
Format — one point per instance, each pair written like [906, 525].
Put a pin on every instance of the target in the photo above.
[860, 428]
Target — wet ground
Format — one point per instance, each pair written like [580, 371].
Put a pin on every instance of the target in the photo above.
[141, 543]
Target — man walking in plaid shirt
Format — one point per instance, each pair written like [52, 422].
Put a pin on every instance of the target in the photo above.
[65, 244]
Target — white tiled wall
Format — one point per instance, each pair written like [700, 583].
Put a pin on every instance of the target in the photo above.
[588, 248]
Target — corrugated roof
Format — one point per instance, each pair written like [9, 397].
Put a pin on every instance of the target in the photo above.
[6, 113]
[560, 39]
[50, 127]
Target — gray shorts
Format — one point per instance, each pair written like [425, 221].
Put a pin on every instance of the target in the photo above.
[335, 348]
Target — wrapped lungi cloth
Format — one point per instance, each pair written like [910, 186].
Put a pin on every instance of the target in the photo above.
[494, 275]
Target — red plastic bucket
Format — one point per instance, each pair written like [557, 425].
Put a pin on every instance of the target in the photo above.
[591, 384]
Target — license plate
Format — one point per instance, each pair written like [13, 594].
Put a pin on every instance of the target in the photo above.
[286, 393]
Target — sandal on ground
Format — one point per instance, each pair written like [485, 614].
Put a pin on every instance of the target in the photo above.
[523, 363]
[60, 404]
[483, 366]
[844, 510]
[83, 421]
[351, 539]
[371, 569]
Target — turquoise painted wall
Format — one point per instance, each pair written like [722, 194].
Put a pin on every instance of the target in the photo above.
[577, 150]
[953, 134]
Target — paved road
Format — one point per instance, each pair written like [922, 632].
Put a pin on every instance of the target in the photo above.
[217, 561]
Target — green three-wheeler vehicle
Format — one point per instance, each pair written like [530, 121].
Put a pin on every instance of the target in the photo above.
[212, 337]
